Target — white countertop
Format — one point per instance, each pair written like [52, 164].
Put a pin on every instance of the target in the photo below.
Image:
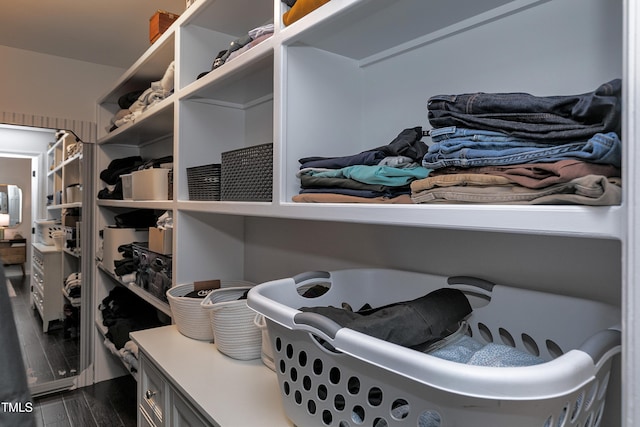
[46, 248]
[228, 392]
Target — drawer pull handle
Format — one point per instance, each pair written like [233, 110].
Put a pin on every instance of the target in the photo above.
[149, 394]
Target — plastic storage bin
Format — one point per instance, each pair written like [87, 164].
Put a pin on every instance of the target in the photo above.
[127, 186]
[46, 231]
[367, 381]
[74, 193]
[150, 184]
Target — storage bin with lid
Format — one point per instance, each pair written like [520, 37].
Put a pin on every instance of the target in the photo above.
[127, 186]
[355, 379]
[150, 184]
[74, 193]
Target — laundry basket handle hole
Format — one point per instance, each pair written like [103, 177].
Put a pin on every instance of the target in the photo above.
[483, 285]
[477, 290]
[312, 284]
[317, 323]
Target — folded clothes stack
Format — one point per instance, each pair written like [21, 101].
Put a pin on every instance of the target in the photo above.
[517, 148]
[378, 175]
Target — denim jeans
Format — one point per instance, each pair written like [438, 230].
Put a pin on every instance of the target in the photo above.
[452, 134]
[551, 118]
[600, 148]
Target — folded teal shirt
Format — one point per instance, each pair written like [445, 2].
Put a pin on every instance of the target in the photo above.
[377, 174]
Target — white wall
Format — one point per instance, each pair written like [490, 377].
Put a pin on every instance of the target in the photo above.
[17, 171]
[51, 86]
[21, 151]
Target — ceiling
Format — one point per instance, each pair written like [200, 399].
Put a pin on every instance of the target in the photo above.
[114, 32]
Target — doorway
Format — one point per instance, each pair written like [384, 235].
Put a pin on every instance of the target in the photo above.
[51, 349]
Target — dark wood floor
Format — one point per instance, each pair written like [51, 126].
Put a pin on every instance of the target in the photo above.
[49, 356]
[55, 355]
[105, 404]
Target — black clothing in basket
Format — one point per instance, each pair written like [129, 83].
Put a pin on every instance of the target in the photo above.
[415, 324]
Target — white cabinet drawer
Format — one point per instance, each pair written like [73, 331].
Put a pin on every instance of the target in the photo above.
[152, 392]
[183, 414]
[143, 419]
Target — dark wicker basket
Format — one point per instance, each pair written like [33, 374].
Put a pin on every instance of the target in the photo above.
[204, 182]
[247, 174]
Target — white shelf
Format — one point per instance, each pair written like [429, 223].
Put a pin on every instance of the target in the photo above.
[65, 206]
[46, 248]
[144, 295]
[74, 158]
[579, 221]
[103, 335]
[137, 204]
[360, 29]
[152, 124]
[245, 80]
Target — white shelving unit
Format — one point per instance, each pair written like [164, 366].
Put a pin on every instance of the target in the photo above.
[65, 158]
[349, 77]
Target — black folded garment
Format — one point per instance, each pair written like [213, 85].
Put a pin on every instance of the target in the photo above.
[415, 324]
[118, 167]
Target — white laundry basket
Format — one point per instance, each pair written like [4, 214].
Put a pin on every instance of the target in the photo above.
[192, 320]
[364, 381]
[267, 351]
[234, 329]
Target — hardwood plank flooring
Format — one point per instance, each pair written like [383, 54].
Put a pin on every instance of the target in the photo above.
[109, 403]
[54, 355]
[47, 356]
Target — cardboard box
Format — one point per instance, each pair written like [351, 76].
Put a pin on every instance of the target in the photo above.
[159, 22]
[161, 240]
[70, 220]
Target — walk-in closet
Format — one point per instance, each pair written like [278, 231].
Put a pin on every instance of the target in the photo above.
[307, 168]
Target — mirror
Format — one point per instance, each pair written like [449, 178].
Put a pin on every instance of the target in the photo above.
[10, 205]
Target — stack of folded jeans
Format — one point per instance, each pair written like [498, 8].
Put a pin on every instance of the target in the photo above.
[524, 149]
[379, 175]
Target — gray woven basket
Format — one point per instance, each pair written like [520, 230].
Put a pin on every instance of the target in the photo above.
[247, 174]
[204, 182]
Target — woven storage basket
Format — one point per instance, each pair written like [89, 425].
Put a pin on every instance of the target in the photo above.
[204, 182]
[191, 318]
[233, 322]
[247, 174]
